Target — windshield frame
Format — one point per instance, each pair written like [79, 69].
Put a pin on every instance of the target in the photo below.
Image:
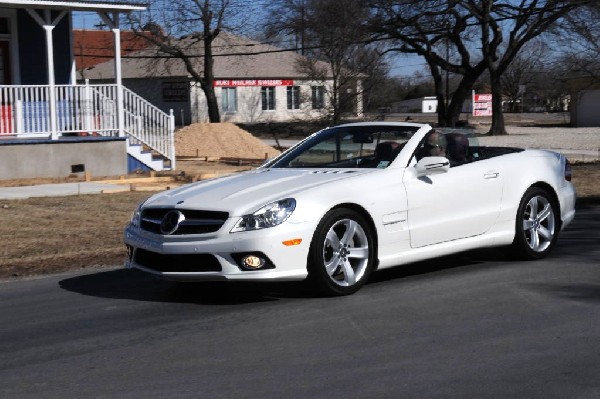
[370, 134]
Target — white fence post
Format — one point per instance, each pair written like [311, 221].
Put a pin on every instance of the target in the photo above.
[172, 137]
[88, 110]
[19, 116]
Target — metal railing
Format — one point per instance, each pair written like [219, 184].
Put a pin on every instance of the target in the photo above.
[85, 110]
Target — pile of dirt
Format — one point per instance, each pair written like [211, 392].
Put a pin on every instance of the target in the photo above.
[221, 140]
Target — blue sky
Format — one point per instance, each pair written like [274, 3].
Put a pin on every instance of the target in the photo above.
[85, 20]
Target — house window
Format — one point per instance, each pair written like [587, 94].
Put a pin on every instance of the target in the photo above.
[4, 26]
[318, 97]
[293, 97]
[268, 98]
[228, 100]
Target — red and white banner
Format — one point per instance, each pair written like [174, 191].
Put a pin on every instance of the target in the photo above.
[252, 82]
[482, 104]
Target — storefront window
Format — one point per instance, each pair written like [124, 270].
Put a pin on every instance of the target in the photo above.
[268, 98]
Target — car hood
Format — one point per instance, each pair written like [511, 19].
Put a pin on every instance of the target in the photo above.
[246, 192]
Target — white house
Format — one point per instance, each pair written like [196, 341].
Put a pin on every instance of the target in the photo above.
[49, 125]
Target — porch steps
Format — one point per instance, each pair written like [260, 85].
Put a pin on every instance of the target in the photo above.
[142, 158]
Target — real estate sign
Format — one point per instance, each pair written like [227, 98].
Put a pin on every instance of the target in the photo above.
[482, 104]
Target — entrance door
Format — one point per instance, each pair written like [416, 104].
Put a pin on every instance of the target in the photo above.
[5, 63]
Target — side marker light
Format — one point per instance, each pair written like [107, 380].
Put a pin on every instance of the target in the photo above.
[293, 242]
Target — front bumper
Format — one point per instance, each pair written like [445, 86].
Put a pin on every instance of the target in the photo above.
[287, 263]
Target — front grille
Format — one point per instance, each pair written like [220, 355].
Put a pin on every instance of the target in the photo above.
[196, 222]
[177, 263]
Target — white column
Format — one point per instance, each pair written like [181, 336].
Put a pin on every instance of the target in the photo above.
[48, 24]
[73, 60]
[113, 23]
[51, 81]
[119, 80]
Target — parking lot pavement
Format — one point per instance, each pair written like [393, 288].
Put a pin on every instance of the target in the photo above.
[57, 190]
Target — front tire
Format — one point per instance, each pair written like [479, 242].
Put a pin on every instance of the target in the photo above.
[341, 253]
[537, 225]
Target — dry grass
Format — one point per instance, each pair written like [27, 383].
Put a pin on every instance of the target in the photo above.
[586, 178]
[48, 235]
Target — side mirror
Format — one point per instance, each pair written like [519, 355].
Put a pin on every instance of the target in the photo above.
[432, 166]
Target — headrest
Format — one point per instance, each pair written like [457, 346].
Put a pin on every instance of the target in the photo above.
[385, 149]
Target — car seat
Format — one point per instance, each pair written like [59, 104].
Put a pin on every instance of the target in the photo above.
[458, 148]
[386, 151]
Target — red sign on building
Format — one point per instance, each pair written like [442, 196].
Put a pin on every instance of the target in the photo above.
[252, 82]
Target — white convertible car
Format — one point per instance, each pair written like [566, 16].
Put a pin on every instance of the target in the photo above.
[352, 199]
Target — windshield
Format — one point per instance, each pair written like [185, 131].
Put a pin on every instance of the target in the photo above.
[348, 147]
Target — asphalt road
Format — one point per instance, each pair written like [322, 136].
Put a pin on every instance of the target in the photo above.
[471, 326]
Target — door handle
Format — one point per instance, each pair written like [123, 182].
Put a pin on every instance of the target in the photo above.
[491, 175]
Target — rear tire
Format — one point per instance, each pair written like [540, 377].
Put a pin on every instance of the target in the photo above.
[341, 253]
[537, 225]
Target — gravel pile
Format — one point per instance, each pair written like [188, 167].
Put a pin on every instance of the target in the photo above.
[222, 140]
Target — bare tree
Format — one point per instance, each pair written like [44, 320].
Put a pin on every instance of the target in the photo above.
[440, 32]
[477, 35]
[522, 74]
[178, 28]
[330, 31]
[505, 28]
[580, 48]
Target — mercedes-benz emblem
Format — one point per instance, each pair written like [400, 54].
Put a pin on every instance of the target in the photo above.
[171, 222]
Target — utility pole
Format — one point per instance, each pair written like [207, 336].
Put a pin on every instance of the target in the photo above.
[302, 28]
[447, 95]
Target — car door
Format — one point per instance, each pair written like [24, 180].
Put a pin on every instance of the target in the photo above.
[463, 202]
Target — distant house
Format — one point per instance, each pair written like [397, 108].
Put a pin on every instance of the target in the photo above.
[254, 82]
[585, 100]
[93, 47]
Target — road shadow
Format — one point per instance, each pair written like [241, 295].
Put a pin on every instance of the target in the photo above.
[139, 286]
[582, 236]
[591, 201]
[464, 261]
[588, 293]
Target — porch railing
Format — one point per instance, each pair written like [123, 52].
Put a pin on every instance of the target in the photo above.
[85, 110]
[148, 125]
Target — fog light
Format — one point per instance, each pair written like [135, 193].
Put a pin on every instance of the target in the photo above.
[253, 262]
[248, 261]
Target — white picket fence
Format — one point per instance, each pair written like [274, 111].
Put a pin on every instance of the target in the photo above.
[85, 110]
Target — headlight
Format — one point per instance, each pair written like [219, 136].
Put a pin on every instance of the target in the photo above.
[136, 216]
[268, 216]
